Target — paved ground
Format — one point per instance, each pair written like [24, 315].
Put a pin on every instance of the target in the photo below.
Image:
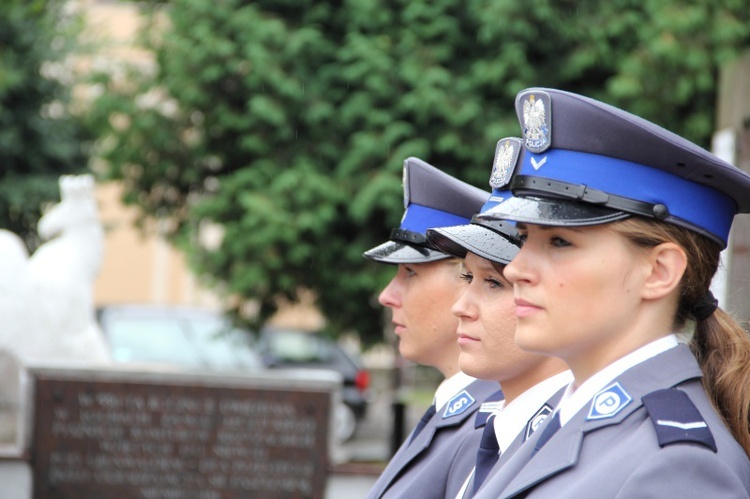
[349, 486]
[364, 456]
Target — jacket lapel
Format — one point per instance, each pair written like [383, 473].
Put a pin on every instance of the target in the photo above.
[478, 390]
[443, 418]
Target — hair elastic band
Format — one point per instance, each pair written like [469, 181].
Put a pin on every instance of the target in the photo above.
[704, 308]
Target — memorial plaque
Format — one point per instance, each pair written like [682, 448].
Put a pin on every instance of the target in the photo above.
[166, 439]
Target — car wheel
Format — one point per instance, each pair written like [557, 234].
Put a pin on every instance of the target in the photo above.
[346, 422]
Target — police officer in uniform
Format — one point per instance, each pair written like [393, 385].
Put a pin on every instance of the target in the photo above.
[487, 322]
[426, 284]
[622, 224]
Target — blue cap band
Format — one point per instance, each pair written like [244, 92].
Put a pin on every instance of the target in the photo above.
[685, 200]
[498, 196]
[418, 218]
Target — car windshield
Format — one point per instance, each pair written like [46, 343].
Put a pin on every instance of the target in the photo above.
[152, 340]
[221, 346]
[195, 341]
[296, 346]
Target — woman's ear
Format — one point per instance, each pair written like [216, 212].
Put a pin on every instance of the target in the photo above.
[666, 266]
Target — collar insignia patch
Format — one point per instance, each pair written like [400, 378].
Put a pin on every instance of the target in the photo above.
[608, 402]
[536, 420]
[458, 404]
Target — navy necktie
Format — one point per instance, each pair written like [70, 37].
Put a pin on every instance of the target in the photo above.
[422, 422]
[549, 430]
[487, 454]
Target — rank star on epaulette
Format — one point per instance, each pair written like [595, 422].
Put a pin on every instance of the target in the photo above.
[458, 404]
[506, 157]
[537, 122]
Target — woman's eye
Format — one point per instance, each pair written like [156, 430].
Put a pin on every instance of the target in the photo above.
[410, 272]
[467, 277]
[494, 283]
[559, 242]
[520, 239]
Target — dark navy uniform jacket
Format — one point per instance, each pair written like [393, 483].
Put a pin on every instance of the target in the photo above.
[635, 454]
[430, 466]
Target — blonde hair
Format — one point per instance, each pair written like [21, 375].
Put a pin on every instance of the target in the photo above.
[720, 344]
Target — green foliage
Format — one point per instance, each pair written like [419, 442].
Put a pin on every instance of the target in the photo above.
[39, 138]
[286, 122]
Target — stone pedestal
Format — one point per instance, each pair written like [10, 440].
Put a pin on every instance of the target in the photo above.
[96, 433]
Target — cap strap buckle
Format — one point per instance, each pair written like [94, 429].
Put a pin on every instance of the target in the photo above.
[409, 237]
[586, 194]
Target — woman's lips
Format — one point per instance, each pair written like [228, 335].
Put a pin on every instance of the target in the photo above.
[525, 308]
[465, 339]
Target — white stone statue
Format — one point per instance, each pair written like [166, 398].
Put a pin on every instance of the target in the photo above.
[46, 300]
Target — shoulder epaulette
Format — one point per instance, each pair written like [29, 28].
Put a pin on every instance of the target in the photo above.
[676, 419]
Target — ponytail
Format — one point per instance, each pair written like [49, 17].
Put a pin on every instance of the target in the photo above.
[722, 348]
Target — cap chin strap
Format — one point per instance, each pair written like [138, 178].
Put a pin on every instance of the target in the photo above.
[502, 227]
[588, 195]
[417, 240]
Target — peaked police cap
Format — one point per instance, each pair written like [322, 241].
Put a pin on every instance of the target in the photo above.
[432, 198]
[588, 163]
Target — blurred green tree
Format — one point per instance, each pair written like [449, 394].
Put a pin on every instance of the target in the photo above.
[284, 123]
[40, 138]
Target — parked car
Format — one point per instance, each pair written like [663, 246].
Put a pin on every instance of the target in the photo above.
[284, 348]
[196, 339]
[181, 337]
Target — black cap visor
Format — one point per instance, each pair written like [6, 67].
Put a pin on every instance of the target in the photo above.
[397, 252]
[552, 211]
[478, 239]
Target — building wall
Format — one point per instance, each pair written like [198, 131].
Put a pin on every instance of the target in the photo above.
[140, 266]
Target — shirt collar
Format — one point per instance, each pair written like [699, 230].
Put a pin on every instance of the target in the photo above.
[575, 399]
[450, 387]
[511, 419]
